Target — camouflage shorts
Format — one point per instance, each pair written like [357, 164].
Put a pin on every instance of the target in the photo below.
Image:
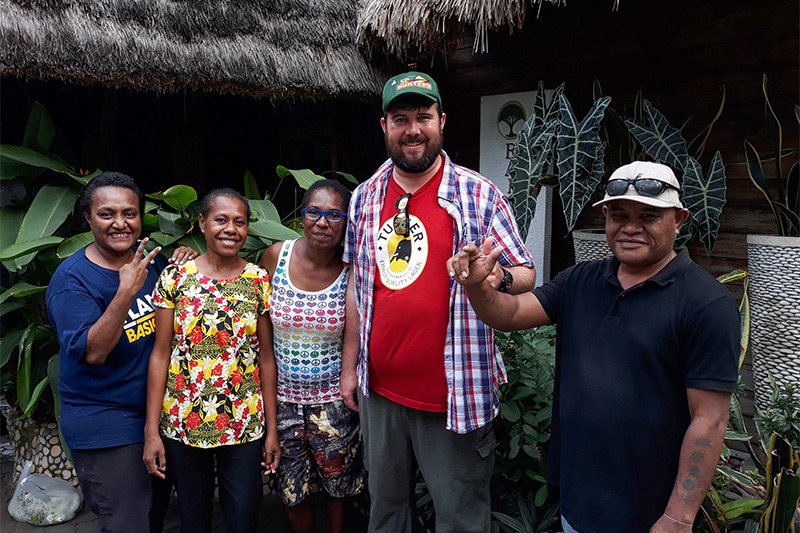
[318, 443]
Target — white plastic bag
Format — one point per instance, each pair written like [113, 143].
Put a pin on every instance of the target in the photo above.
[41, 500]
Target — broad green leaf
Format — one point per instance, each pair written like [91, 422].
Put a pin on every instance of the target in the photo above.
[661, 141]
[705, 197]
[84, 179]
[40, 131]
[20, 154]
[272, 230]
[250, 186]
[27, 408]
[24, 366]
[8, 344]
[53, 367]
[23, 248]
[737, 476]
[348, 177]
[579, 149]
[20, 290]
[546, 109]
[541, 496]
[172, 223]
[264, 210]
[510, 411]
[177, 197]
[531, 156]
[194, 240]
[733, 435]
[10, 220]
[304, 177]
[7, 307]
[736, 508]
[163, 239]
[73, 244]
[51, 206]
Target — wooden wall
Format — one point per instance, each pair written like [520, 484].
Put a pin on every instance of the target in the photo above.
[679, 53]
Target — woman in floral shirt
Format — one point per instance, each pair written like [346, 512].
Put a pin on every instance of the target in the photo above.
[211, 390]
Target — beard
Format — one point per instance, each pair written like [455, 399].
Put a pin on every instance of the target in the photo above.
[418, 164]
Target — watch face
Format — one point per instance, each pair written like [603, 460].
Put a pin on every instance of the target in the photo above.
[508, 280]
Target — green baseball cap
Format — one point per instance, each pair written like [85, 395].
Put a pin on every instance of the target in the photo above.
[410, 83]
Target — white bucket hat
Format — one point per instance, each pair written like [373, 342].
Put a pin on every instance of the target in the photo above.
[647, 170]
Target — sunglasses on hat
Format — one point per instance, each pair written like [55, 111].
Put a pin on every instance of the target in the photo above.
[646, 186]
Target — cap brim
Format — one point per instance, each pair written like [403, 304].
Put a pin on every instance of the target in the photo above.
[433, 99]
[654, 202]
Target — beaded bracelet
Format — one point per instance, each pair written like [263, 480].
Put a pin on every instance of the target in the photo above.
[678, 521]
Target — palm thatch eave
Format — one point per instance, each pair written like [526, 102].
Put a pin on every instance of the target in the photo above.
[280, 49]
[406, 28]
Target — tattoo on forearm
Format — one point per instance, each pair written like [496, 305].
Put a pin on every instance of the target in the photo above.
[694, 471]
[698, 457]
[688, 484]
[688, 498]
[703, 442]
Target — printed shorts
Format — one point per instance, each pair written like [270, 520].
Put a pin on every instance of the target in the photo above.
[319, 443]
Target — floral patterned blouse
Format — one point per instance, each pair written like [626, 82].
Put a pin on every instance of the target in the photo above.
[213, 393]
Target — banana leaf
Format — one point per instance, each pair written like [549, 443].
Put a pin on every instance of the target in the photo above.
[579, 148]
[304, 177]
[661, 141]
[178, 197]
[20, 290]
[40, 131]
[73, 244]
[705, 197]
[49, 209]
[250, 186]
[24, 248]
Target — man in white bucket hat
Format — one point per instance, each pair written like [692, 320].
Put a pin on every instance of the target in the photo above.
[646, 359]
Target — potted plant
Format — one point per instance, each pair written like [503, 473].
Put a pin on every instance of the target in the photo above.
[553, 134]
[773, 264]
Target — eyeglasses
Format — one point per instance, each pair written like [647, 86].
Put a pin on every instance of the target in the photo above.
[646, 187]
[333, 216]
[400, 220]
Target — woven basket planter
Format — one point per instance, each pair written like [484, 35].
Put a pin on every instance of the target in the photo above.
[590, 245]
[774, 266]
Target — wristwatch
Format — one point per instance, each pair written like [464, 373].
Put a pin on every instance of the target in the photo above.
[508, 281]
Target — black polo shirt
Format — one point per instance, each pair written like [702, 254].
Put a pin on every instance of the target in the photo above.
[624, 359]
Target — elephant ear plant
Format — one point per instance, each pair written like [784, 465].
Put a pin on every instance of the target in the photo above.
[579, 154]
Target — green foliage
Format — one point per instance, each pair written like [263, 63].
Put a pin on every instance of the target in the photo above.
[783, 487]
[703, 196]
[526, 519]
[579, 156]
[782, 415]
[523, 426]
[786, 208]
[36, 222]
[533, 154]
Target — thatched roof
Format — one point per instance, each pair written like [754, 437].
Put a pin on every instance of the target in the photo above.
[420, 27]
[274, 48]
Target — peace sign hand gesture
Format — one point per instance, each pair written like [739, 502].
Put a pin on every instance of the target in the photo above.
[133, 274]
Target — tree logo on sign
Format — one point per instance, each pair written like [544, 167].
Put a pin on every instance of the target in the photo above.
[510, 119]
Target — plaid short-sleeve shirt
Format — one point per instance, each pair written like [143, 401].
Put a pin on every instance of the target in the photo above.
[473, 366]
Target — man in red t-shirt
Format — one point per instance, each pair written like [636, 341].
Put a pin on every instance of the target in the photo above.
[428, 369]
